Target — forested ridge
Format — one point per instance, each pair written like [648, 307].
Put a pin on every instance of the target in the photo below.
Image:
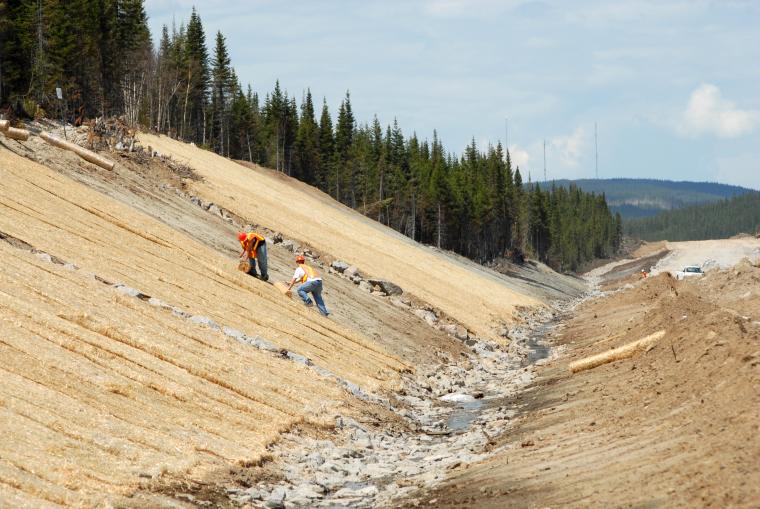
[101, 54]
[717, 220]
[647, 197]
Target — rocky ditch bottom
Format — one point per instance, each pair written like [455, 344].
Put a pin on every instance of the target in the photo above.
[453, 412]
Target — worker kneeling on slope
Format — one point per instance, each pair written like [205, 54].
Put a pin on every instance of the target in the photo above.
[254, 250]
[311, 282]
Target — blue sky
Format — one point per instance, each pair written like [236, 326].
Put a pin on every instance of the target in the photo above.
[672, 84]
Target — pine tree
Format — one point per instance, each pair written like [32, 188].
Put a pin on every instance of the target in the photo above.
[196, 78]
[326, 147]
[307, 143]
[221, 80]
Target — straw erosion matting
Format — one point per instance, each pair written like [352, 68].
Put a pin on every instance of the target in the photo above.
[100, 388]
[471, 298]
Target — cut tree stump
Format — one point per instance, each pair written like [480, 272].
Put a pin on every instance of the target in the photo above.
[87, 155]
[16, 134]
[616, 354]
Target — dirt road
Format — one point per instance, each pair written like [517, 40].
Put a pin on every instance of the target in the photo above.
[674, 427]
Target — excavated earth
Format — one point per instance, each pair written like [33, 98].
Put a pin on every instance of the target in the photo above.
[141, 370]
[676, 426]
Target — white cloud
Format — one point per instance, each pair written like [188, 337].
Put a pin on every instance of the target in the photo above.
[569, 148]
[565, 155]
[520, 157]
[708, 112]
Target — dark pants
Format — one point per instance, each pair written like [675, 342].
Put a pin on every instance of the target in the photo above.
[261, 257]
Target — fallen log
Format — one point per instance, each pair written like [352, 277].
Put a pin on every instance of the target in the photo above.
[616, 354]
[16, 134]
[4, 125]
[87, 155]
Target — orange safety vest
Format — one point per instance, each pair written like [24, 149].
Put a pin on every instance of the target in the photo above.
[252, 237]
[309, 273]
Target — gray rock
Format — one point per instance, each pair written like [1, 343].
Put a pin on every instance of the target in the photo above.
[365, 286]
[387, 286]
[290, 245]
[356, 279]
[277, 238]
[352, 271]
[214, 209]
[315, 459]
[363, 443]
[399, 302]
[756, 325]
[127, 290]
[461, 333]
[276, 498]
[340, 266]
[356, 492]
[426, 315]
[254, 493]
[204, 320]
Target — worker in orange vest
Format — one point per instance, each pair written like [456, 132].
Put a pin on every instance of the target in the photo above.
[255, 250]
[311, 282]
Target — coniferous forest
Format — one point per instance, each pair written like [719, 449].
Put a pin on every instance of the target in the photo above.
[100, 53]
[716, 220]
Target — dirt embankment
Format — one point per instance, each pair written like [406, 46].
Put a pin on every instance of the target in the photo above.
[673, 427]
[139, 368]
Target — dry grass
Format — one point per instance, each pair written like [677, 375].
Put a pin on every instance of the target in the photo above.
[257, 194]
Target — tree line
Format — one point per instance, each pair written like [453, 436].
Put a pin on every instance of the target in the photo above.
[101, 54]
[715, 220]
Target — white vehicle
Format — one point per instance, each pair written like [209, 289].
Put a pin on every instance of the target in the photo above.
[689, 271]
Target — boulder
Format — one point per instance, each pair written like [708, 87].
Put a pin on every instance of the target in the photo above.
[399, 302]
[426, 315]
[290, 245]
[339, 266]
[387, 286]
[277, 238]
[365, 286]
[351, 271]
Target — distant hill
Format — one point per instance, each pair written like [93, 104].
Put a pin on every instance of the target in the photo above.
[716, 220]
[635, 198]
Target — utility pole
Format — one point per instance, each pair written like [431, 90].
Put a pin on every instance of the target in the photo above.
[596, 152]
[544, 160]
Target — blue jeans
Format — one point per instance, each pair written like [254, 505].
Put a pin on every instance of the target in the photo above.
[315, 288]
[261, 257]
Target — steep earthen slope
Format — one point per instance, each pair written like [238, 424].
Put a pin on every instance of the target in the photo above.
[477, 301]
[106, 383]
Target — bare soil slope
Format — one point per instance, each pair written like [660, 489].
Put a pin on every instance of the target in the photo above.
[478, 302]
[674, 427]
[101, 387]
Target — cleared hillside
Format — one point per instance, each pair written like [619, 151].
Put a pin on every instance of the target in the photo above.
[100, 388]
[299, 211]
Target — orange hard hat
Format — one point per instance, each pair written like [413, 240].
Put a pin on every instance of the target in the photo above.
[300, 259]
[242, 236]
